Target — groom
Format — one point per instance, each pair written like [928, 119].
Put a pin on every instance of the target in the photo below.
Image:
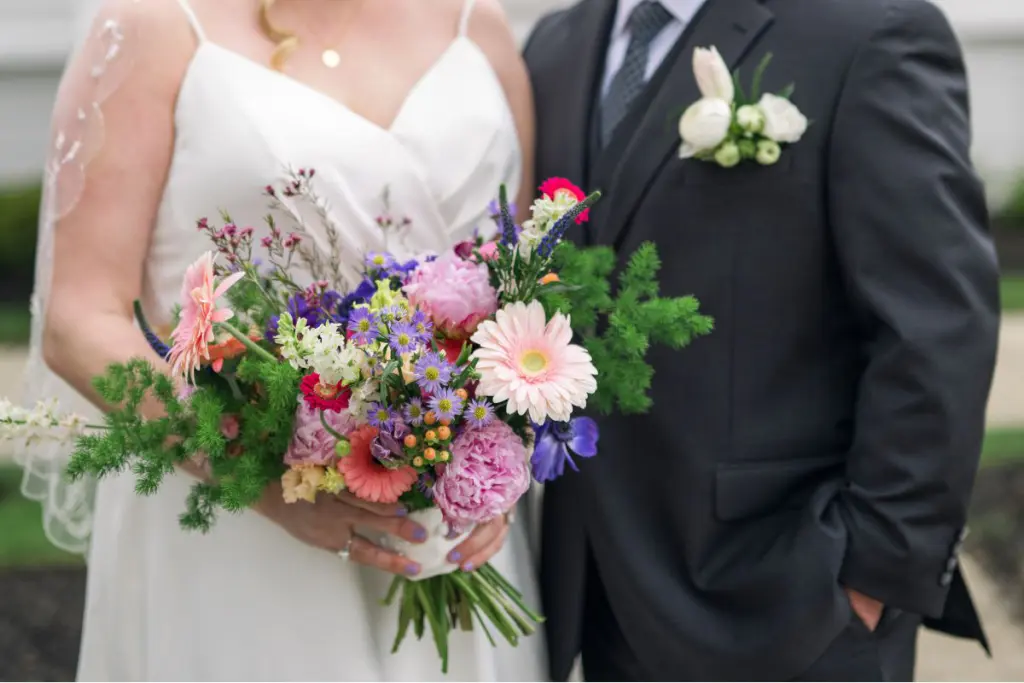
[794, 504]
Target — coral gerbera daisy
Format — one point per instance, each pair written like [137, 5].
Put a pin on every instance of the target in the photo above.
[530, 362]
[194, 333]
[366, 478]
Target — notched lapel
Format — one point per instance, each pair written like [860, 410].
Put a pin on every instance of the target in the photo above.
[586, 33]
[730, 25]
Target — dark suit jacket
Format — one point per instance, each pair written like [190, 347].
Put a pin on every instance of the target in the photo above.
[828, 432]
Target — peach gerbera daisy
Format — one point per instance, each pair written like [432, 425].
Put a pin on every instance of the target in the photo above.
[194, 333]
[366, 478]
[530, 362]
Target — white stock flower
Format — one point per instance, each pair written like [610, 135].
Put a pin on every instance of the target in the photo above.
[325, 351]
[783, 122]
[704, 126]
[713, 77]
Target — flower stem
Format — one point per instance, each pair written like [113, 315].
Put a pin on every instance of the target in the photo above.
[249, 343]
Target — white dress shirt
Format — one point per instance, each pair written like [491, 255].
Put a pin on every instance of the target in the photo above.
[682, 12]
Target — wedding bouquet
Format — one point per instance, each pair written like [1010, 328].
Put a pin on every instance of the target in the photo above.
[443, 383]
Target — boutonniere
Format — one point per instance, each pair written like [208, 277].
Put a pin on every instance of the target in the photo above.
[726, 126]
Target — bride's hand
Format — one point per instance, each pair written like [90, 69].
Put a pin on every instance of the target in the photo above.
[483, 543]
[329, 522]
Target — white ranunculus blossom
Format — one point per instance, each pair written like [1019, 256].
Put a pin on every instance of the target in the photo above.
[704, 126]
[783, 122]
[750, 118]
[713, 77]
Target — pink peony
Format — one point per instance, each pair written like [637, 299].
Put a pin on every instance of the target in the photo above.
[311, 443]
[488, 473]
[456, 294]
[194, 333]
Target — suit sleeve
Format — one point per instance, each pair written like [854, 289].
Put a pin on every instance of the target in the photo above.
[910, 229]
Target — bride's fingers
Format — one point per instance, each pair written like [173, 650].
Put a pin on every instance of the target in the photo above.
[485, 540]
[396, 526]
[379, 509]
[364, 552]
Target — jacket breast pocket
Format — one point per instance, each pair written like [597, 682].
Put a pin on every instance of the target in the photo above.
[751, 489]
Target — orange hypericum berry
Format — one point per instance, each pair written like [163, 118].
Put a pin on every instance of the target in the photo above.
[549, 278]
[430, 418]
[445, 423]
[417, 461]
[411, 441]
[462, 393]
[431, 435]
[444, 433]
[445, 456]
[430, 454]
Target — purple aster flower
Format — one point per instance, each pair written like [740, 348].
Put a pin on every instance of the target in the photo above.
[557, 442]
[424, 326]
[425, 484]
[403, 337]
[446, 404]
[432, 371]
[414, 412]
[362, 323]
[377, 261]
[360, 295]
[381, 416]
[394, 313]
[480, 412]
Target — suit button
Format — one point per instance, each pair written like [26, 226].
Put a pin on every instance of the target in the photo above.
[945, 579]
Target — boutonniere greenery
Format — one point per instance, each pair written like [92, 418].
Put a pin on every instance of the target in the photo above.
[727, 126]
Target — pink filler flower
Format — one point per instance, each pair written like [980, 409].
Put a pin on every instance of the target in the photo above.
[488, 473]
[194, 333]
[456, 294]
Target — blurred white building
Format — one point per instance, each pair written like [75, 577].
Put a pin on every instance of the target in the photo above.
[35, 35]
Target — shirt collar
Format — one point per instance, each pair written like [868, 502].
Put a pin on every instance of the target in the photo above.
[682, 11]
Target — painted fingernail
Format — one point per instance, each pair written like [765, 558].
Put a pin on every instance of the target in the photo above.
[412, 569]
[401, 512]
[419, 534]
[454, 556]
[468, 567]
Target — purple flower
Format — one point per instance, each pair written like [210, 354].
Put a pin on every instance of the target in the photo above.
[360, 295]
[425, 484]
[480, 412]
[362, 323]
[557, 442]
[403, 337]
[414, 412]
[424, 326]
[446, 404]
[377, 261]
[387, 450]
[432, 371]
[381, 416]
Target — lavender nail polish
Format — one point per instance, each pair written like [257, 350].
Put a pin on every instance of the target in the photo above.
[412, 569]
[401, 512]
[420, 534]
[468, 567]
[454, 556]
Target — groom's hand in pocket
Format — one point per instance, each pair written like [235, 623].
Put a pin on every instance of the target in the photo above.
[868, 610]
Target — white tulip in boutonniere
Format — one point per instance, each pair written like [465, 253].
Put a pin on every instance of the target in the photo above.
[726, 127]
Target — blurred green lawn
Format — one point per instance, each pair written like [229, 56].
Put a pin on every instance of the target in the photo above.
[1013, 293]
[22, 542]
[14, 324]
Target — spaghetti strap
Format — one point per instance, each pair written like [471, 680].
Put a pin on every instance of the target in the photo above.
[467, 9]
[193, 20]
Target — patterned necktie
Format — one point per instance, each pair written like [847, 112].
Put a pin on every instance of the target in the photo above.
[645, 22]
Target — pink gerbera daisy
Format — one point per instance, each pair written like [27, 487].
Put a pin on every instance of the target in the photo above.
[529, 362]
[366, 478]
[194, 333]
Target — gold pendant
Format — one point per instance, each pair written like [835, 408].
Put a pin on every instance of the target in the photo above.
[330, 58]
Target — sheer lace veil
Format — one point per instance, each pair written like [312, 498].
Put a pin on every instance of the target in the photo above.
[102, 57]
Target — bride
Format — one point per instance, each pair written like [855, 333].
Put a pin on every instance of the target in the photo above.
[171, 111]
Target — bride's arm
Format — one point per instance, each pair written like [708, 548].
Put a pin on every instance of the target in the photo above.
[100, 246]
[489, 28]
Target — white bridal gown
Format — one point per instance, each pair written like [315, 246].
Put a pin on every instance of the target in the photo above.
[247, 601]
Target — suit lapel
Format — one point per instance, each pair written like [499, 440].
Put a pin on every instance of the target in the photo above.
[730, 25]
[584, 59]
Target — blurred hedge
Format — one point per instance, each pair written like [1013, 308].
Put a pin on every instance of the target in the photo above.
[19, 215]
